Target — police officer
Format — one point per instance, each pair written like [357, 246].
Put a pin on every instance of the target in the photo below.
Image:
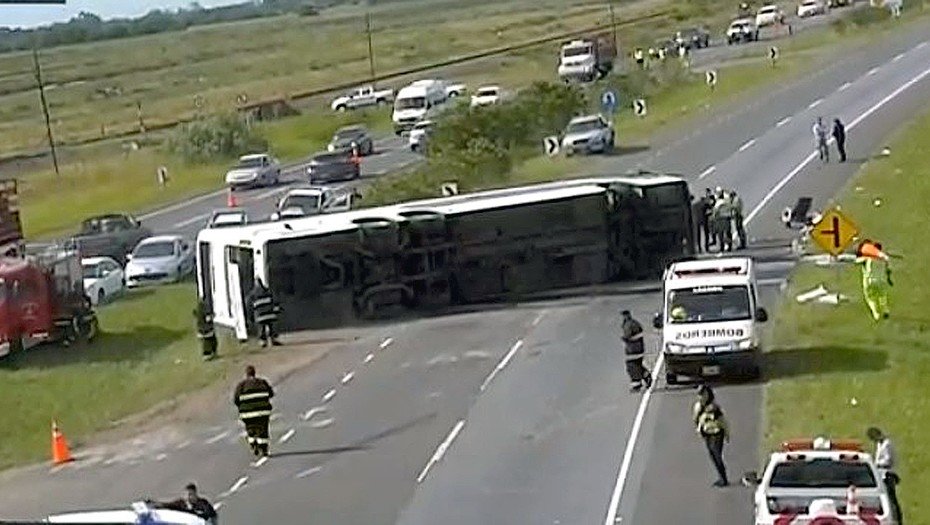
[193, 503]
[253, 399]
[722, 216]
[736, 205]
[635, 350]
[205, 331]
[264, 313]
[712, 427]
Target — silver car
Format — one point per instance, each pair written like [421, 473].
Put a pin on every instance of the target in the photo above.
[588, 134]
[159, 259]
[349, 136]
[254, 170]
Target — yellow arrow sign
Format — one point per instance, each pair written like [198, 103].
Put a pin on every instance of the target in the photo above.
[834, 232]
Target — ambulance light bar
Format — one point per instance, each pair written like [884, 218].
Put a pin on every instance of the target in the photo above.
[717, 270]
[793, 445]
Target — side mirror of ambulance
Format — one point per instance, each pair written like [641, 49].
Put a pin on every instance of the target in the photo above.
[761, 315]
[657, 320]
[751, 479]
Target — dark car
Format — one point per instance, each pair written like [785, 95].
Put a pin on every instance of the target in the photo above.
[667, 44]
[111, 235]
[349, 135]
[693, 38]
[330, 166]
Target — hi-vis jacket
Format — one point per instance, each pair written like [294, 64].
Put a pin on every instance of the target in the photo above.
[253, 398]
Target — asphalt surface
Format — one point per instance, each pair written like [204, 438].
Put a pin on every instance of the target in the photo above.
[518, 414]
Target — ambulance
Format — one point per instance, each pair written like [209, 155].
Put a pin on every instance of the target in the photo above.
[139, 513]
[813, 481]
[710, 318]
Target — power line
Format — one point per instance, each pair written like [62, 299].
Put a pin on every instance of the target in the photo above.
[48, 120]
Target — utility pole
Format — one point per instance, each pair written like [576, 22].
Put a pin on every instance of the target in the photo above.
[371, 54]
[48, 120]
[613, 22]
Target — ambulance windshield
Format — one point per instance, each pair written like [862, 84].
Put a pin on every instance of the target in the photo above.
[822, 473]
[709, 304]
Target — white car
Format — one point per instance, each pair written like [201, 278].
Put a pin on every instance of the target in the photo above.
[588, 134]
[769, 15]
[810, 476]
[254, 170]
[742, 30]
[159, 259]
[103, 279]
[812, 8]
[486, 95]
[419, 135]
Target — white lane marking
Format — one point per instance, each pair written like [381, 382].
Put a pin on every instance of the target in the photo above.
[630, 445]
[783, 121]
[708, 171]
[348, 377]
[182, 445]
[844, 86]
[539, 318]
[386, 343]
[368, 358]
[219, 505]
[815, 103]
[260, 461]
[312, 412]
[748, 144]
[308, 472]
[178, 206]
[897, 57]
[287, 435]
[161, 457]
[57, 468]
[270, 193]
[190, 221]
[441, 450]
[217, 437]
[810, 157]
[329, 395]
[236, 486]
[323, 423]
[872, 72]
[502, 364]
[920, 45]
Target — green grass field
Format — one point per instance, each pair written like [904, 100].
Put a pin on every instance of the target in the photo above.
[823, 356]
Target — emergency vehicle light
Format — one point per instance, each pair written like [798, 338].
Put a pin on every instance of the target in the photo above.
[719, 270]
[793, 445]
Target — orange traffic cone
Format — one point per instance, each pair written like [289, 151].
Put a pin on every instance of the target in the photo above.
[231, 201]
[60, 451]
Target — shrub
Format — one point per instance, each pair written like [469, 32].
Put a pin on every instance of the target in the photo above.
[214, 138]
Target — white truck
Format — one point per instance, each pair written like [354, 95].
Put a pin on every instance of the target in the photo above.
[416, 102]
[587, 59]
[710, 317]
[362, 97]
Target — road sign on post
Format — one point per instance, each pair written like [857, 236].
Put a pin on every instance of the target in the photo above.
[551, 144]
[773, 55]
[609, 102]
[449, 189]
[834, 232]
[711, 78]
[639, 107]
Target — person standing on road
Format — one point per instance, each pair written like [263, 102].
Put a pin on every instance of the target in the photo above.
[264, 313]
[839, 134]
[253, 399]
[820, 135]
[885, 461]
[205, 331]
[710, 234]
[640, 57]
[712, 427]
[723, 218]
[192, 502]
[635, 350]
[736, 204]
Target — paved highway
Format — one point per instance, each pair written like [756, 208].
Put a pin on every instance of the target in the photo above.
[518, 414]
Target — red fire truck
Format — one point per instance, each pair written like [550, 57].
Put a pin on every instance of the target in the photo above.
[41, 287]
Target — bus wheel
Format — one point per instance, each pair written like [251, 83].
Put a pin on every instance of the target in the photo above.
[16, 344]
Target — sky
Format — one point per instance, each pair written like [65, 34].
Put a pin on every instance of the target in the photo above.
[36, 15]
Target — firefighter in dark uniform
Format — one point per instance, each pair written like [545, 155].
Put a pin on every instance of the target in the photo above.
[205, 331]
[635, 349]
[253, 399]
[264, 313]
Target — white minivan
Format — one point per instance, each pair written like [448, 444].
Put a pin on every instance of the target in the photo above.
[710, 318]
[415, 102]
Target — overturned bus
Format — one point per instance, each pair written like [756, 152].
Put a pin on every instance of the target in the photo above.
[336, 269]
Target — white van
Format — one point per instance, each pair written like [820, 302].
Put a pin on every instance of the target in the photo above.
[415, 102]
[710, 318]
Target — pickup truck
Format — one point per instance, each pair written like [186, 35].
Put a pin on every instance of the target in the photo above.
[112, 235]
[361, 97]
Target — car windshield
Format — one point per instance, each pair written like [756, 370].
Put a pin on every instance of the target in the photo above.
[576, 51]
[486, 92]
[423, 125]
[307, 203]
[822, 473]
[250, 163]
[410, 103]
[812, 3]
[154, 249]
[345, 134]
[329, 158]
[709, 304]
[583, 127]
[768, 10]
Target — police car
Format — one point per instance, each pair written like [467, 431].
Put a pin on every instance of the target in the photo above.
[801, 477]
[141, 513]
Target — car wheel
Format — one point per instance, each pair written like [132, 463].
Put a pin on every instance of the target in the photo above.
[341, 109]
[101, 297]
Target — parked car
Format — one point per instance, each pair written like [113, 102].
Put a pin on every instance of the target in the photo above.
[254, 170]
[111, 235]
[742, 30]
[769, 15]
[420, 134]
[839, 3]
[693, 38]
[486, 95]
[812, 8]
[454, 89]
[159, 259]
[228, 217]
[362, 97]
[103, 279]
[588, 134]
[333, 166]
[303, 202]
[669, 45]
[346, 137]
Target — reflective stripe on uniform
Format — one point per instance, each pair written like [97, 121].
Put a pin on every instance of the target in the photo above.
[262, 441]
[254, 414]
[633, 357]
[253, 395]
[265, 317]
[206, 335]
[635, 337]
[261, 301]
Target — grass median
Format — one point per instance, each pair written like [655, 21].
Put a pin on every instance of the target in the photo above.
[835, 372]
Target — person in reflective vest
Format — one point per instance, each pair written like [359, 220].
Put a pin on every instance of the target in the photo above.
[712, 427]
[253, 399]
[876, 278]
[264, 313]
[205, 331]
[635, 350]
[736, 205]
[722, 216]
